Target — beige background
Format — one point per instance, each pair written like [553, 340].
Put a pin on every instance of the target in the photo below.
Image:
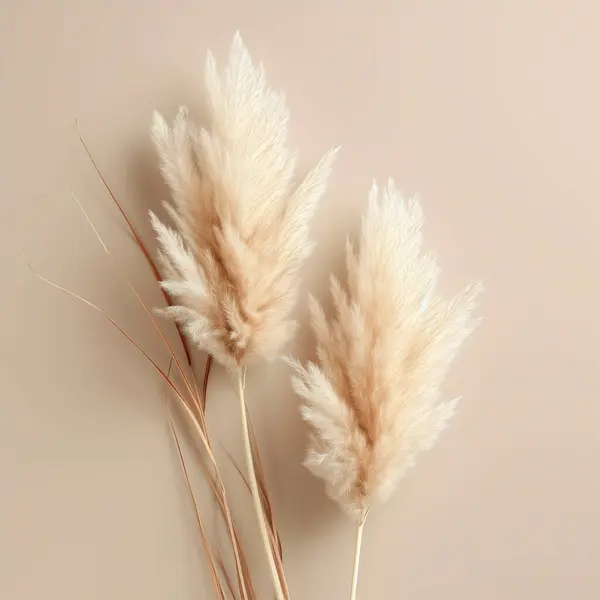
[488, 110]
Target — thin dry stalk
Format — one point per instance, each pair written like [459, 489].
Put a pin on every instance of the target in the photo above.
[225, 513]
[274, 536]
[258, 505]
[357, 548]
[262, 483]
[207, 369]
[137, 238]
[225, 574]
[207, 549]
[193, 392]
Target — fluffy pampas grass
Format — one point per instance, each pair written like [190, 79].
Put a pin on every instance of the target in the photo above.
[241, 220]
[241, 230]
[229, 265]
[373, 400]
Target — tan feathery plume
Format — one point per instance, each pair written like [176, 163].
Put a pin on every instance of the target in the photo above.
[241, 229]
[241, 221]
[373, 400]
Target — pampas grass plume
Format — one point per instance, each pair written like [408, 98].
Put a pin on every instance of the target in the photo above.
[241, 222]
[373, 400]
[241, 231]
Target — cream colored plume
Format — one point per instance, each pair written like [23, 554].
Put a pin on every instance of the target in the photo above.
[373, 401]
[241, 222]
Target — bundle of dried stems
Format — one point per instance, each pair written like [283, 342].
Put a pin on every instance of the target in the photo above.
[229, 272]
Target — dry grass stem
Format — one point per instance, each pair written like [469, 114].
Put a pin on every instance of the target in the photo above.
[137, 238]
[278, 580]
[357, 549]
[207, 549]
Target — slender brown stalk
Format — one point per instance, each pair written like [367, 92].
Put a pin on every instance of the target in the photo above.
[262, 483]
[207, 549]
[264, 500]
[223, 569]
[258, 505]
[244, 570]
[136, 237]
[273, 534]
[357, 548]
[261, 479]
[191, 414]
[193, 394]
[207, 369]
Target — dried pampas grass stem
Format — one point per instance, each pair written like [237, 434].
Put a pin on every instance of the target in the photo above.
[357, 548]
[136, 237]
[278, 581]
